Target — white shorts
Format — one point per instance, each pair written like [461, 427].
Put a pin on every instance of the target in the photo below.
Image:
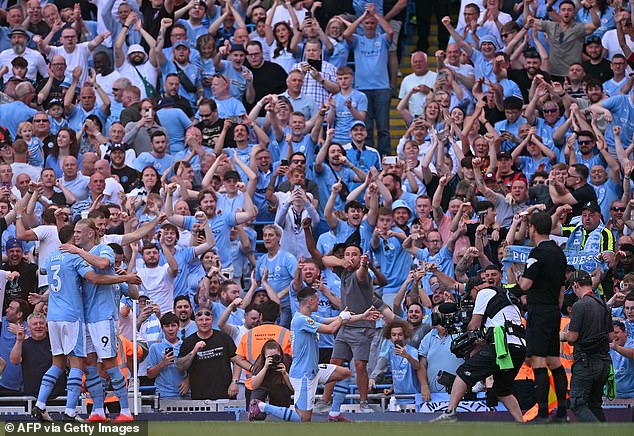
[101, 338]
[67, 338]
[305, 388]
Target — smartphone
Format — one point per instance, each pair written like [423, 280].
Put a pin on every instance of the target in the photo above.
[169, 350]
[442, 75]
[297, 187]
[399, 342]
[390, 160]
[308, 14]
[482, 214]
[149, 303]
[314, 63]
[148, 112]
[284, 163]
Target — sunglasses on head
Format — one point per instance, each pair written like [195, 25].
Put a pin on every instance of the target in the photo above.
[203, 313]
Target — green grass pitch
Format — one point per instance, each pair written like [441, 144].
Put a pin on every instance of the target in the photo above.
[383, 429]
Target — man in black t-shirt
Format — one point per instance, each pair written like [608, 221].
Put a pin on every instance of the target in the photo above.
[543, 281]
[34, 356]
[589, 331]
[128, 176]
[207, 356]
[27, 282]
[210, 124]
[579, 193]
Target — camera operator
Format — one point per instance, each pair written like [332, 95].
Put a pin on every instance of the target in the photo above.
[270, 376]
[501, 356]
[543, 281]
[589, 331]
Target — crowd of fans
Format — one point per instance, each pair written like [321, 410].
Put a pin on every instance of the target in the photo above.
[230, 152]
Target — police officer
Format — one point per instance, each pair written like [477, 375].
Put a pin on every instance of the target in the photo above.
[543, 281]
[493, 308]
[589, 331]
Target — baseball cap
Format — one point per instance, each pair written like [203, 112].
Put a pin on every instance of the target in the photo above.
[490, 177]
[580, 276]
[237, 47]
[55, 102]
[593, 39]
[357, 123]
[504, 155]
[117, 146]
[401, 204]
[180, 43]
[143, 294]
[13, 243]
[591, 205]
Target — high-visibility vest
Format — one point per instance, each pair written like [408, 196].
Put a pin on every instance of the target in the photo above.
[251, 344]
[566, 350]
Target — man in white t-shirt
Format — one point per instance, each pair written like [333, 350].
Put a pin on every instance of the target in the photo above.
[46, 234]
[158, 280]
[76, 55]
[421, 78]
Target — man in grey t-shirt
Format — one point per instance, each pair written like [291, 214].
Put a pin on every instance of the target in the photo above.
[353, 340]
[566, 37]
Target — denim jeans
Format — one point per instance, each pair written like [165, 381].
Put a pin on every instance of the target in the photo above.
[586, 388]
[378, 115]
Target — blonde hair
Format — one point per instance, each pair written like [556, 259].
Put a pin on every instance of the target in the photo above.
[24, 124]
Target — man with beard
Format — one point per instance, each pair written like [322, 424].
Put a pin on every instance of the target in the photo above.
[109, 80]
[576, 192]
[183, 310]
[128, 176]
[36, 63]
[190, 77]
[524, 77]
[566, 37]
[210, 123]
[42, 131]
[23, 277]
[596, 67]
[135, 64]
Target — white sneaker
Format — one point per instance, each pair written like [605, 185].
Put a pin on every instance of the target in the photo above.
[321, 407]
[446, 417]
[478, 387]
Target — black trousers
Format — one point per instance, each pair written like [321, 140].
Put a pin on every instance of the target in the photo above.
[424, 10]
[586, 388]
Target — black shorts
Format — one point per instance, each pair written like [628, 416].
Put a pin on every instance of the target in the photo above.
[484, 364]
[542, 331]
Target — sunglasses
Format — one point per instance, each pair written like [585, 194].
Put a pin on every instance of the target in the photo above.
[203, 313]
[550, 111]
[505, 35]
[618, 209]
[584, 142]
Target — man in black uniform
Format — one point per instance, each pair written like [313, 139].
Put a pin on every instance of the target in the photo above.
[543, 281]
[589, 331]
[493, 309]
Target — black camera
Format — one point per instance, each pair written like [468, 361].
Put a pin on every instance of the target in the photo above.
[276, 359]
[454, 317]
[462, 345]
